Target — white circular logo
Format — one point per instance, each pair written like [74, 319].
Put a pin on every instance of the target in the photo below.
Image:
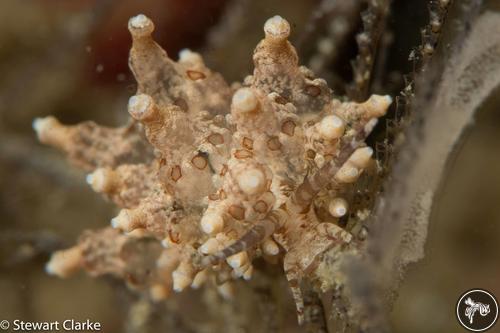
[477, 310]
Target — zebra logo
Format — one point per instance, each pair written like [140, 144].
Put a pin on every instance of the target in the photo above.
[477, 310]
[472, 307]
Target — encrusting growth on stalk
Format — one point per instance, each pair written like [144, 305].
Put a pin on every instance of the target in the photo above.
[219, 176]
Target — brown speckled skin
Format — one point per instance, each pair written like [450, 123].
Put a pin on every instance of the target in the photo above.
[203, 146]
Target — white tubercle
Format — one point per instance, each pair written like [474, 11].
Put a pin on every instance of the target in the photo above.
[338, 207]
[244, 100]
[100, 180]
[199, 279]
[277, 27]
[248, 273]
[361, 157]
[139, 21]
[347, 173]
[188, 56]
[238, 259]
[44, 128]
[139, 105]
[251, 181]
[140, 25]
[180, 281]
[211, 222]
[331, 127]
[122, 221]
[64, 263]
[182, 277]
[210, 246]
[39, 124]
[270, 247]
[240, 271]
[352, 169]
[378, 105]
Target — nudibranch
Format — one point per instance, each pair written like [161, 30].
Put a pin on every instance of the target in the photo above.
[219, 174]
